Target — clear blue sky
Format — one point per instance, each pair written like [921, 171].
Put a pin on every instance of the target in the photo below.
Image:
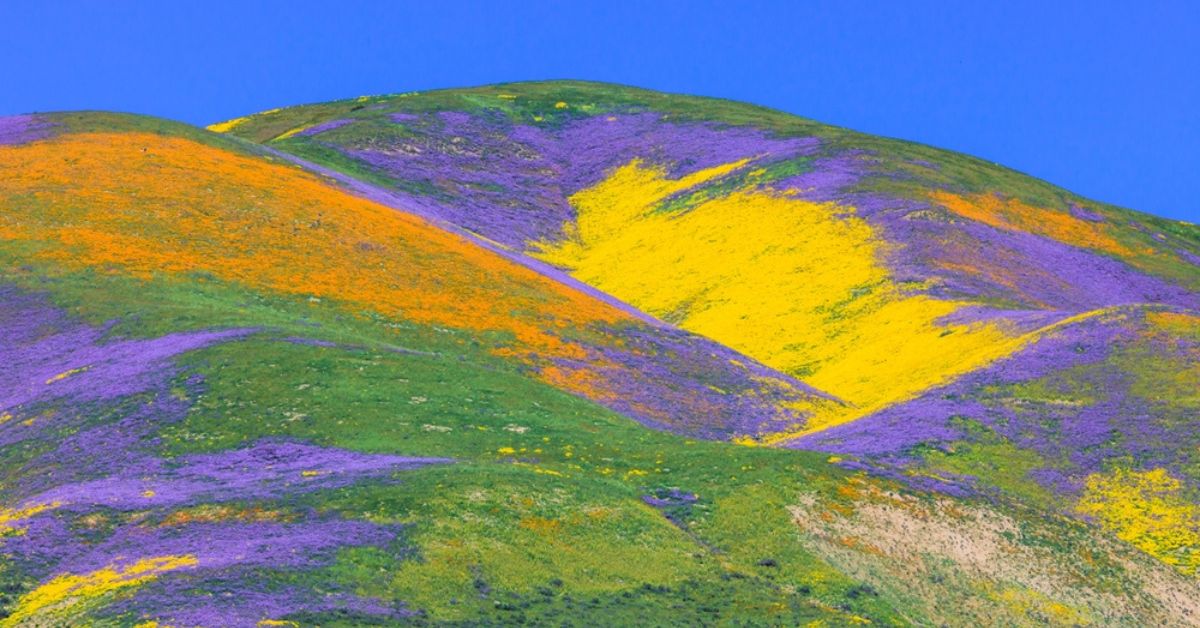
[1101, 98]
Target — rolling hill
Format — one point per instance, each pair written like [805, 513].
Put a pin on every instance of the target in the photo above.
[575, 353]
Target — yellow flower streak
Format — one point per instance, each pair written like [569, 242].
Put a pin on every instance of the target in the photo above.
[66, 590]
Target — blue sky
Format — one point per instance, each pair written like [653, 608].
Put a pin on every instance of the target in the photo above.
[1101, 98]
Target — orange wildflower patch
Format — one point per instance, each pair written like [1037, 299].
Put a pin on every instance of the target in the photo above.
[856, 543]
[219, 513]
[541, 525]
[1187, 325]
[577, 380]
[1014, 215]
[144, 204]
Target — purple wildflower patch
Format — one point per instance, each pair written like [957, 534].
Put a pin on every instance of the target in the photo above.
[24, 128]
[510, 182]
[101, 495]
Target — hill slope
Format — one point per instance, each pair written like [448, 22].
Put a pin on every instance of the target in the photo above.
[886, 274]
[393, 360]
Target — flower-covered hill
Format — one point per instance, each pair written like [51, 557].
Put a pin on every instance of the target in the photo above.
[101, 194]
[909, 283]
[220, 370]
[493, 356]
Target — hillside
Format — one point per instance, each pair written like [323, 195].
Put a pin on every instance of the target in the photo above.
[883, 273]
[571, 352]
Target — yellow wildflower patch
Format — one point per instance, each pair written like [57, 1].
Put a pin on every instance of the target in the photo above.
[292, 131]
[226, 126]
[229, 125]
[1149, 510]
[798, 285]
[10, 516]
[66, 590]
[66, 374]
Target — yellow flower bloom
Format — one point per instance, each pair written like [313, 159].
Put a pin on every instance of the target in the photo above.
[61, 592]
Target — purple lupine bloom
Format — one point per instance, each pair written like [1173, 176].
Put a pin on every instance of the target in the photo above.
[24, 128]
[510, 182]
[48, 356]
